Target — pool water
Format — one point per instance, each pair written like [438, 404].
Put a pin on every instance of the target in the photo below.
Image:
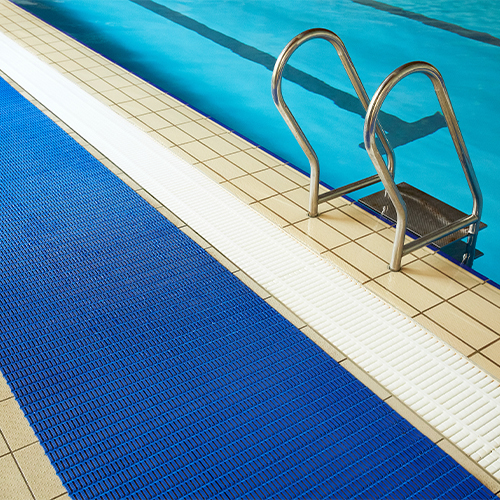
[218, 57]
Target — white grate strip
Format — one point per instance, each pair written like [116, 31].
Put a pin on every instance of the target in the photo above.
[439, 384]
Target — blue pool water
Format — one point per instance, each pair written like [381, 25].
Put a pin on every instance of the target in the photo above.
[218, 56]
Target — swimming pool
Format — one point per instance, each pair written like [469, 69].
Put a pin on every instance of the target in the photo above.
[205, 59]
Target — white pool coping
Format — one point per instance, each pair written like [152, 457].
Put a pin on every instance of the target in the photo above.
[442, 386]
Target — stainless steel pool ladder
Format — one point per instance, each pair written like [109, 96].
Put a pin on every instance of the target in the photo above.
[314, 197]
[472, 220]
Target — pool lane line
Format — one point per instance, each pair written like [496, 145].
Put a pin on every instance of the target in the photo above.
[399, 132]
[479, 36]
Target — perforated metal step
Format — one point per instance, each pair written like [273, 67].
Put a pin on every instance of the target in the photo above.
[425, 213]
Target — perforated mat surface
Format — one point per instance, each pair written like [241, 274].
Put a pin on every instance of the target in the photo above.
[148, 370]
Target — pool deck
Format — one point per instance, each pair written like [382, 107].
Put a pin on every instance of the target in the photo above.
[460, 308]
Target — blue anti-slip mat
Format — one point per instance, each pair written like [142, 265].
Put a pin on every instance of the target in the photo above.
[148, 370]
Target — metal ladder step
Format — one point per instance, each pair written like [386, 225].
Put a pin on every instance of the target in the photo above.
[425, 214]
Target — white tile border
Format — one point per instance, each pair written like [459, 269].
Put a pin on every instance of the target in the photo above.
[447, 390]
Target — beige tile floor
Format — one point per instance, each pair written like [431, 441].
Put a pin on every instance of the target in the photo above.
[452, 303]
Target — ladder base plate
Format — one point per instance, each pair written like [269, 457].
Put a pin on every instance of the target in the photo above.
[425, 213]
[457, 249]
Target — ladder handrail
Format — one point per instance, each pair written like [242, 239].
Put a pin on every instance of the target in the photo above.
[473, 220]
[291, 47]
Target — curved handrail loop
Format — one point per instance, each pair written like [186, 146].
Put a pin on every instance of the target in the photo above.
[472, 220]
[292, 46]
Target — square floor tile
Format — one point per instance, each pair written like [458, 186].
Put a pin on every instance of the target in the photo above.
[194, 129]
[487, 365]
[237, 141]
[174, 116]
[256, 189]
[466, 279]
[391, 298]
[493, 352]
[300, 197]
[433, 279]
[175, 135]
[345, 267]
[135, 108]
[248, 163]
[212, 174]
[225, 168]
[363, 216]
[99, 85]
[5, 391]
[264, 157]
[285, 208]
[153, 103]
[219, 144]
[362, 259]
[324, 234]
[269, 214]
[348, 226]
[134, 92]
[199, 151]
[444, 335]
[4, 449]
[489, 292]
[294, 175]
[461, 325]
[382, 248]
[236, 191]
[116, 96]
[275, 180]
[106, 74]
[39, 473]
[485, 312]
[15, 427]
[213, 127]
[154, 121]
[12, 484]
[306, 240]
[408, 290]
[190, 112]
